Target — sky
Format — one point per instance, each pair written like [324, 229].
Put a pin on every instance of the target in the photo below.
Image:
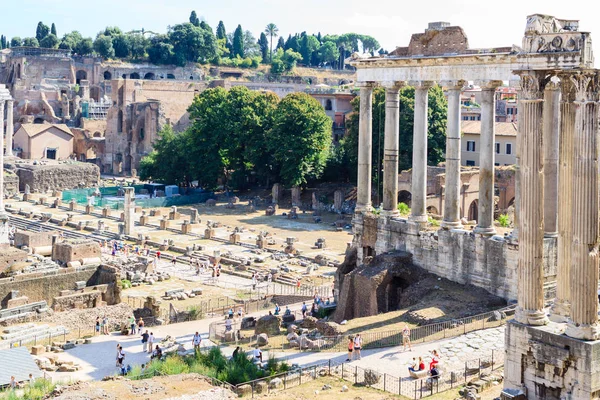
[391, 22]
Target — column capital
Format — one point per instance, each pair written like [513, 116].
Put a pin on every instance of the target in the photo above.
[421, 84]
[365, 85]
[393, 85]
[454, 84]
[532, 84]
[488, 84]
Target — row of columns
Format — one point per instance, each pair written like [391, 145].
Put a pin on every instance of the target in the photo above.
[451, 213]
[558, 135]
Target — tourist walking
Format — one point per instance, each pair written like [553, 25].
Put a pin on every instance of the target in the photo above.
[120, 357]
[118, 354]
[350, 348]
[97, 326]
[132, 325]
[406, 338]
[150, 342]
[357, 346]
[145, 337]
[140, 325]
[105, 326]
[196, 340]
[304, 309]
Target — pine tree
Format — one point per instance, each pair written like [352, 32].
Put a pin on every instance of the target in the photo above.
[2, 42]
[238, 42]
[41, 31]
[263, 43]
[194, 20]
[280, 43]
[53, 30]
[221, 32]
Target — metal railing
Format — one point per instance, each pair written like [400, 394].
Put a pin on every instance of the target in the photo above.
[404, 386]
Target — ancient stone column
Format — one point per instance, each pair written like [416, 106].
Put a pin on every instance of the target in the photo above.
[530, 309]
[452, 184]
[391, 148]
[551, 132]
[485, 212]
[583, 322]
[365, 133]
[10, 130]
[561, 309]
[129, 210]
[419, 161]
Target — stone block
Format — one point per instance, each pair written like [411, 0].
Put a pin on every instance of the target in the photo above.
[39, 349]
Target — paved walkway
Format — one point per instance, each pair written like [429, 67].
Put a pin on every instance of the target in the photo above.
[98, 359]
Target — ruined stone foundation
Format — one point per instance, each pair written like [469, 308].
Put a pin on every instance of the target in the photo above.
[543, 364]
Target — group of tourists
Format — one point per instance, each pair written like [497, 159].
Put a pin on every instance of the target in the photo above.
[354, 347]
[101, 326]
[433, 370]
[118, 248]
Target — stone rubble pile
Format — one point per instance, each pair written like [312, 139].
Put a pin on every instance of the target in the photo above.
[85, 319]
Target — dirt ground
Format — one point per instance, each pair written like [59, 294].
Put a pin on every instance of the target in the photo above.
[166, 387]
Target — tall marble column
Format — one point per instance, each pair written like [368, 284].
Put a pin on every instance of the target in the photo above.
[530, 309]
[583, 322]
[551, 132]
[419, 161]
[10, 130]
[485, 212]
[561, 309]
[391, 148]
[453, 182]
[365, 138]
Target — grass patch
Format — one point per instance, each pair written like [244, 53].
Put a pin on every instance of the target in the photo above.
[37, 390]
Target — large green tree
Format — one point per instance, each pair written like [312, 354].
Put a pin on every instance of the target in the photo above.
[49, 42]
[121, 45]
[192, 44]
[301, 138]
[104, 47]
[160, 51]
[221, 32]
[84, 47]
[194, 20]
[53, 30]
[169, 160]
[436, 136]
[31, 42]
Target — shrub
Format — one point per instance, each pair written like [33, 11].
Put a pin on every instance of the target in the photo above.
[195, 312]
[433, 222]
[173, 365]
[503, 220]
[125, 284]
[404, 209]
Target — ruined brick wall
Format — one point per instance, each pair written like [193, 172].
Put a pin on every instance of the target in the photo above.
[57, 176]
[436, 42]
[11, 183]
[45, 286]
[33, 239]
[10, 255]
[75, 250]
[462, 256]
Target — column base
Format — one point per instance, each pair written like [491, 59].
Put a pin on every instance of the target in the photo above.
[390, 213]
[583, 331]
[550, 234]
[363, 208]
[486, 231]
[560, 311]
[448, 225]
[531, 317]
[418, 218]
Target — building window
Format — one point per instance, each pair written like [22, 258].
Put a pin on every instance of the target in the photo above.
[479, 118]
[497, 164]
[51, 154]
[328, 105]
[497, 148]
[470, 145]
[470, 163]
[508, 148]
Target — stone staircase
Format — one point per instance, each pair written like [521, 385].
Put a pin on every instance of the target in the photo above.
[22, 334]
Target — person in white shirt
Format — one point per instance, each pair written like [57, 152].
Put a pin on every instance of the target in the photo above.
[227, 325]
[357, 346]
[150, 342]
[196, 340]
[257, 353]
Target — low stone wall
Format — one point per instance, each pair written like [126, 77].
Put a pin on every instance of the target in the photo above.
[46, 286]
[57, 176]
[11, 183]
[77, 300]
[9, 256]
[74, 250]
[33, 239]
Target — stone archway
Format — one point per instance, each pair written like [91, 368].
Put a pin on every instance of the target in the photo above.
[404, 196]
[149, 76]
[432, 210]
[134, 75]
[107, 76]
[473, 211]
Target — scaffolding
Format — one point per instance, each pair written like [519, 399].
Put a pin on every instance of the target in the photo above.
[95, 110]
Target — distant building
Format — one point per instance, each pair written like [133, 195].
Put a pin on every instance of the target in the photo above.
[337, 105]
[44, 141]
[505, 146]
[506, 104]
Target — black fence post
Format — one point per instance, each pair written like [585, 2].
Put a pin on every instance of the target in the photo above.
[330, 364]
[492, 360]
[384, 376]
[355, 375]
